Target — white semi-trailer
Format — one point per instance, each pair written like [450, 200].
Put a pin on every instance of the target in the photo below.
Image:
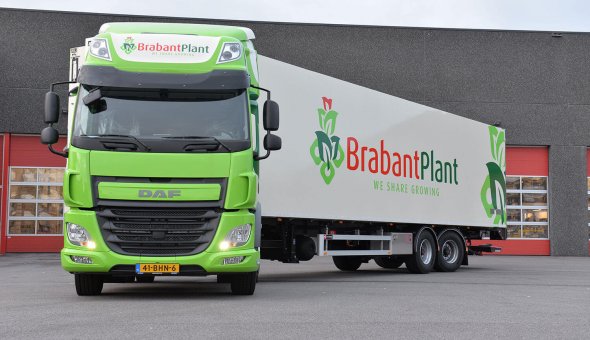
[364, 175]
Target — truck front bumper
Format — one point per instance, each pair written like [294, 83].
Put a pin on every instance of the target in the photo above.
[209, 262]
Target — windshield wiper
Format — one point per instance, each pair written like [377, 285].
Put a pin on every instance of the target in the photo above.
[200, 137]
[137, 142]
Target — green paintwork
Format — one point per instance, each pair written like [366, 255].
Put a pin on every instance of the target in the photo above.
[211, 259]
[242, 184]
[237, 168]
[186, 192]
[169, 165]
[77, 185]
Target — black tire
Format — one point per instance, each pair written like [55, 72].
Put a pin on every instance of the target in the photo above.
[347, 263]
[145, 278]
[223, 278]
[88, 284]
[389, 262]
[243, 284]
[452, 251]
[423, 259]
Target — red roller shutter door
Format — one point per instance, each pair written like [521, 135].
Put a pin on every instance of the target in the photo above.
[3, 198]
[27, 151]
[524, 161]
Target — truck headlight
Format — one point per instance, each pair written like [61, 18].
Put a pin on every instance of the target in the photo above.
[230, 52]
[236, 237]
[99, 48]
[79, 236]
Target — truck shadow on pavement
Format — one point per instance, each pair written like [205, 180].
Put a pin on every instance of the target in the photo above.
[199, 287]
[167, 289]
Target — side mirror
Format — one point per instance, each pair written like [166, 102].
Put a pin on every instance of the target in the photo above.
[271, 115]
[49, 135]
[272, 142]
[51, 107]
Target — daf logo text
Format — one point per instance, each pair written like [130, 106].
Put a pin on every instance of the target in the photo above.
[145, 193]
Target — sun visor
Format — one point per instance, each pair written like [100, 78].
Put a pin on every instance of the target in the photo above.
[215, 80]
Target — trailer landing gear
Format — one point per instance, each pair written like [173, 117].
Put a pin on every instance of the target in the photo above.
[389, 262]
[347, 263]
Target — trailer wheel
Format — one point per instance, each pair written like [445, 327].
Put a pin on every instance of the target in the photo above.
[347, 263]
[145, 278]
[389, 262]
[88, 284]
[423, 259]
[452, 250]
[244, 283]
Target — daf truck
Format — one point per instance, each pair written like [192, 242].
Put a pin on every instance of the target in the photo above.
[168, 169]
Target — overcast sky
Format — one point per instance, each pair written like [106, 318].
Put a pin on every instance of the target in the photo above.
[546, 15]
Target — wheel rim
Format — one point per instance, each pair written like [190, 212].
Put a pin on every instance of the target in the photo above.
[425, 251]
[450, 251]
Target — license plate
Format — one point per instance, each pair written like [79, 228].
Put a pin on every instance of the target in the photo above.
[157, 268]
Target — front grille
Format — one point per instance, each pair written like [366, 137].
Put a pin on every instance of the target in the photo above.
[157, 231]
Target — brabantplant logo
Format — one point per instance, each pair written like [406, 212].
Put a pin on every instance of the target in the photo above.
[326, 150]
[129, 45]
[493, 191]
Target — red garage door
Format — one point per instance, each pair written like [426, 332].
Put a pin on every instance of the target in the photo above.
[34, 204]
[527, 170]
[3, 164]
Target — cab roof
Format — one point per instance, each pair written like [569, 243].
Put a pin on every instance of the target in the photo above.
[240, 33]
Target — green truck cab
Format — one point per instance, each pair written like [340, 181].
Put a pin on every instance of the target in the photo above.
[162, 154]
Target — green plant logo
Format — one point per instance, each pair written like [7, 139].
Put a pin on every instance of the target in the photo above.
[128, 46]
[326, 150]
[493, 191]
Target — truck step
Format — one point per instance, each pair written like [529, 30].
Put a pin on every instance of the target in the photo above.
[483, 248]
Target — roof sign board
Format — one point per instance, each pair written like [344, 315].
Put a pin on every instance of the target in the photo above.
[164, 48]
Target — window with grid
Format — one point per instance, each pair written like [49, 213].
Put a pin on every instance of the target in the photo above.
[526, 207]
[35, 201]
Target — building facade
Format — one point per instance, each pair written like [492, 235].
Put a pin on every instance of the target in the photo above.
[533, 84]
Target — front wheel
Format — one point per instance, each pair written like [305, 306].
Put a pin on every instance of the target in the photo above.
[88, 284]
[244, 283]
[347, 263]
[423, 259]
[452, 250]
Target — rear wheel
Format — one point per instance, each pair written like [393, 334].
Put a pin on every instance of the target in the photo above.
[347, 263]
[423, 259]
[88, 284]
[452, 250]
[389, 262]
[244, 283]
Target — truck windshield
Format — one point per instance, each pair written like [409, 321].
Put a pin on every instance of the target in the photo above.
[156, 116]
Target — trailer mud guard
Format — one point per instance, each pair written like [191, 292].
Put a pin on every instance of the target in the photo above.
[429, 230]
